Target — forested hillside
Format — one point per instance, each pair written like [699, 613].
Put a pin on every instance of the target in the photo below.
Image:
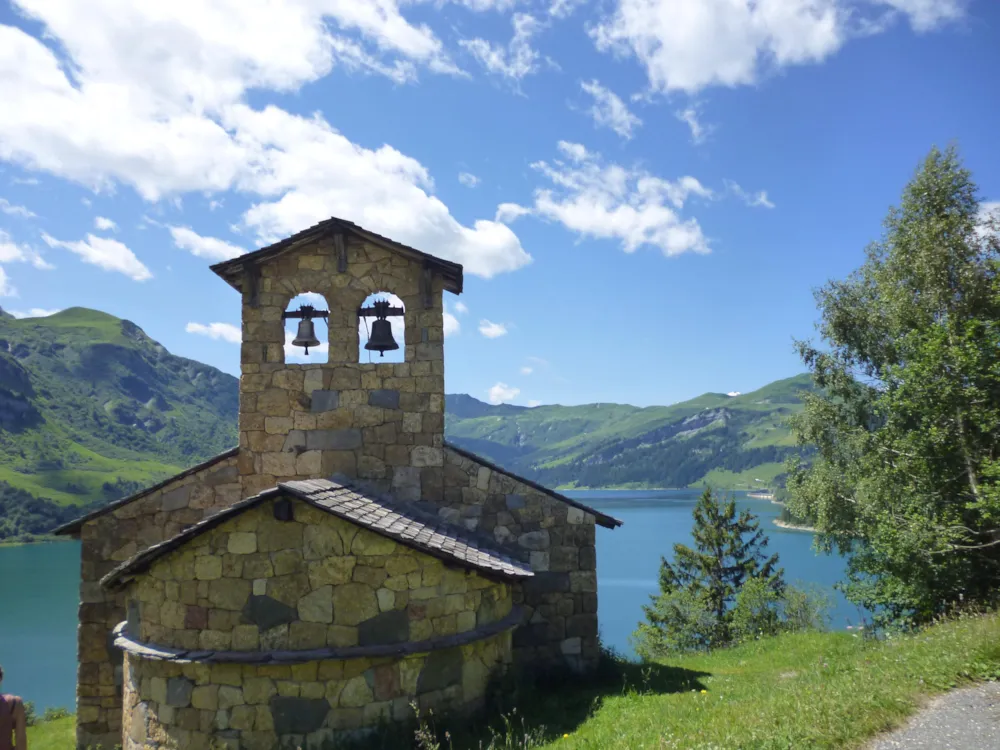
[728, 441]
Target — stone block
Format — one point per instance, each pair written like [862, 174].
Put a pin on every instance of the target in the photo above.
[514, 502]
[356, 693]
[563, 558]
[424, 455]
[321, 401]
[546, 583]
[575, 515]
[207, 567]
[279, 464]
[384, 398]
[386, 599]
[205, 697]
[571, 646]
[353, 603]
[441, 670]
[176, 498]
[317, 606]
[258, 690]
[388, 627]
[298, 715]
[321, 541]
[534, 540]
[583, 581]
[229, 593]
[333, 440]
[179, 690]
[309, 463]
[372, 544]
[242, 542]
[331, 570]
[266, 612]
[279, 535]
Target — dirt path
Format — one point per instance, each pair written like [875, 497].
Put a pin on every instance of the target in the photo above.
[966, 719]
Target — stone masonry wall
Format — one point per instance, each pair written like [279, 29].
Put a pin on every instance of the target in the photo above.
[109, 540]
[262, 707]
[383, 423]
[254, 583]
[560, 600]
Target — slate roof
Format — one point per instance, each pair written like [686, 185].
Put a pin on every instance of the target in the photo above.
[401, 522]
[608, 522]
[232, 270]
[74, 526]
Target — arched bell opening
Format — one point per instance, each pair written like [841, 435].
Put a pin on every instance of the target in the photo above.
[381, 329]
[307, 335]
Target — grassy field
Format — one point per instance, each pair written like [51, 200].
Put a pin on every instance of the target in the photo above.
[811, 690]
[53, 735]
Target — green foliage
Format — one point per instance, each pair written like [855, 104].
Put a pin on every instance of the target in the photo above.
[91, 410]
[700, 590]
[906, 427]
[715, 436]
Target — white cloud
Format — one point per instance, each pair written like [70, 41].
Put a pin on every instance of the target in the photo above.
[492, 330]
[508, 212]
[451, 325]
[564, 8]
[168, 116]
[11, 252]
[927, 15]
[12, 209]
[461, 308]
[104, 224]
[515, 61]
[699, 131]
[755, 200]
[609, 111]
[533, 403]
[6, 288]
[526, 370]
[468, 179]
[733, 393]
[111, 255]
[688, 45]
[613, 202]
[218, 331]
[204, 247]
[538, 361]
[34, 312]
[502, 392]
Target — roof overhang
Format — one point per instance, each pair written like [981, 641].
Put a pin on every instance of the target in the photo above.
[233, 272]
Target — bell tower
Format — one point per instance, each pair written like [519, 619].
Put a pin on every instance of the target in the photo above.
[379, 422]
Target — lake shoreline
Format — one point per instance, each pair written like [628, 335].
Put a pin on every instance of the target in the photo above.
[44, 539]
[793, 526]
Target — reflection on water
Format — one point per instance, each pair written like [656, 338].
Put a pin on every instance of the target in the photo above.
[39, 584]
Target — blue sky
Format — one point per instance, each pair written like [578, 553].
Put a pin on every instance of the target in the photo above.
[644, 193]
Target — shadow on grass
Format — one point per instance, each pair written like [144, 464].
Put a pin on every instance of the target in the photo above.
[527, 710]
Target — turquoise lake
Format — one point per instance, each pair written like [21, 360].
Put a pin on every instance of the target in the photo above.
[38, 585]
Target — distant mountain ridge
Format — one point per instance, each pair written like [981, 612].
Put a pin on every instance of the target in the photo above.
[724, 440]
[92, 409]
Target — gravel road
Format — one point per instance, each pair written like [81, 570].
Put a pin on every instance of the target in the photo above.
[966, 719]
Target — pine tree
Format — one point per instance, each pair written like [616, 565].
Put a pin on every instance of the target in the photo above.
[699, 588]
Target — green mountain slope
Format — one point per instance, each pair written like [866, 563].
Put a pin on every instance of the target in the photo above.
[728, 441]
[92, 408]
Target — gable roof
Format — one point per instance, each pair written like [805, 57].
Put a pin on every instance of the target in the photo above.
[400, 522]
[74, 526]
[608, 522]
[232, 271]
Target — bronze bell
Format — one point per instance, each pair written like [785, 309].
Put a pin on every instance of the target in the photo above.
[381, 339]
[306, 336]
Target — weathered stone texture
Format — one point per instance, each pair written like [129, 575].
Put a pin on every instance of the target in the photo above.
[366, 589]
[298, 705]
[109, 540]
[306, 421]
[555, 538]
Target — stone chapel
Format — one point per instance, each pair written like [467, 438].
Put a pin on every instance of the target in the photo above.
[343, 559]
